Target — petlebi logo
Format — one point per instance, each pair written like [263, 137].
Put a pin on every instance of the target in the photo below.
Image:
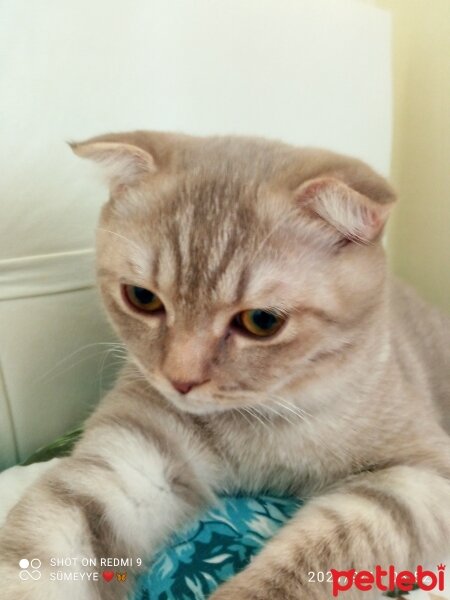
[388, 580]
[30, 569]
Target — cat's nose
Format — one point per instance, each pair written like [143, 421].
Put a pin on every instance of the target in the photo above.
[184, 386]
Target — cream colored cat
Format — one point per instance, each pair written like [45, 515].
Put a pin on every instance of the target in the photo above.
[268, 350]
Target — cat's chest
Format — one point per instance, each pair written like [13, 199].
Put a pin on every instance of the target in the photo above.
[275, 459]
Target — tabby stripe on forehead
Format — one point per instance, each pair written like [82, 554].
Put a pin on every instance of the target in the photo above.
[225, 260]
[242, 285]
[398, 511]
[176, 251]
[155, 268]
[197, 259]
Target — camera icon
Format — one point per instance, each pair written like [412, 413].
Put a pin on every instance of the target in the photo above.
[30, 569]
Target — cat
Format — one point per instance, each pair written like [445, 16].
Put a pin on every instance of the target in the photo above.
[268, 350]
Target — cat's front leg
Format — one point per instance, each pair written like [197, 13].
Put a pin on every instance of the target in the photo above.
[398, 516]
[130, 483]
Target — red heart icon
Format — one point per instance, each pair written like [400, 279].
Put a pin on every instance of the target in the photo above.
[108, 575]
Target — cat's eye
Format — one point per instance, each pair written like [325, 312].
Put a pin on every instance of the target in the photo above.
[143, 299]
[259, 323]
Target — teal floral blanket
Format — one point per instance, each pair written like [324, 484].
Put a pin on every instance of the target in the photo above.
[210, 551]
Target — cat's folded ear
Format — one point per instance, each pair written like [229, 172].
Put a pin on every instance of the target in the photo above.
[356, 215]
[125, 165]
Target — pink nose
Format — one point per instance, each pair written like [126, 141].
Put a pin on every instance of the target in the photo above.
[184, 386]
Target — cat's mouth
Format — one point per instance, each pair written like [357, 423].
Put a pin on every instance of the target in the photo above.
[199, 401]
[205, 399]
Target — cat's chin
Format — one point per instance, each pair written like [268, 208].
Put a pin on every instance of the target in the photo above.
[200, 404]
[198, 408]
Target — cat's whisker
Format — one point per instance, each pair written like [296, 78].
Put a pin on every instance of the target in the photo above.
[53, 373]
[244, 416]
[294, 414]
[74, 353]
[261, 411]
[254, 413]
[246, 410]
[280, 414]
[120, 352]
[280, 402]
[289, 405]
[115, 364]
[300, 412]
[287, 217]
[122, 237]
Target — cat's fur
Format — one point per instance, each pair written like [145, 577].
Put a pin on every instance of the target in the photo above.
[345, 406]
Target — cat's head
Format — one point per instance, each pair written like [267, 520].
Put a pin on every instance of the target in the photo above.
[235, 269]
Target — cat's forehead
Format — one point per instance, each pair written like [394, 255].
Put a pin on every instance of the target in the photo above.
[207, 234]
[209, 242]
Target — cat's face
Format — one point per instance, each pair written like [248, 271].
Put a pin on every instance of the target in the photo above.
[225, 292]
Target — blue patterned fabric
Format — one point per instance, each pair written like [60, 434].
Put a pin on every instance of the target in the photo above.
[211, 550]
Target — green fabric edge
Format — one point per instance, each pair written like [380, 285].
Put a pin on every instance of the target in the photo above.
[60, 447]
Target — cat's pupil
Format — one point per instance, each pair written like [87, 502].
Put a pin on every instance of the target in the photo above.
[264, 320]
[143, 296]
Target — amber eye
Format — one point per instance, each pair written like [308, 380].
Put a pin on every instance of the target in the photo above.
[260, 323]
[143, 299]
